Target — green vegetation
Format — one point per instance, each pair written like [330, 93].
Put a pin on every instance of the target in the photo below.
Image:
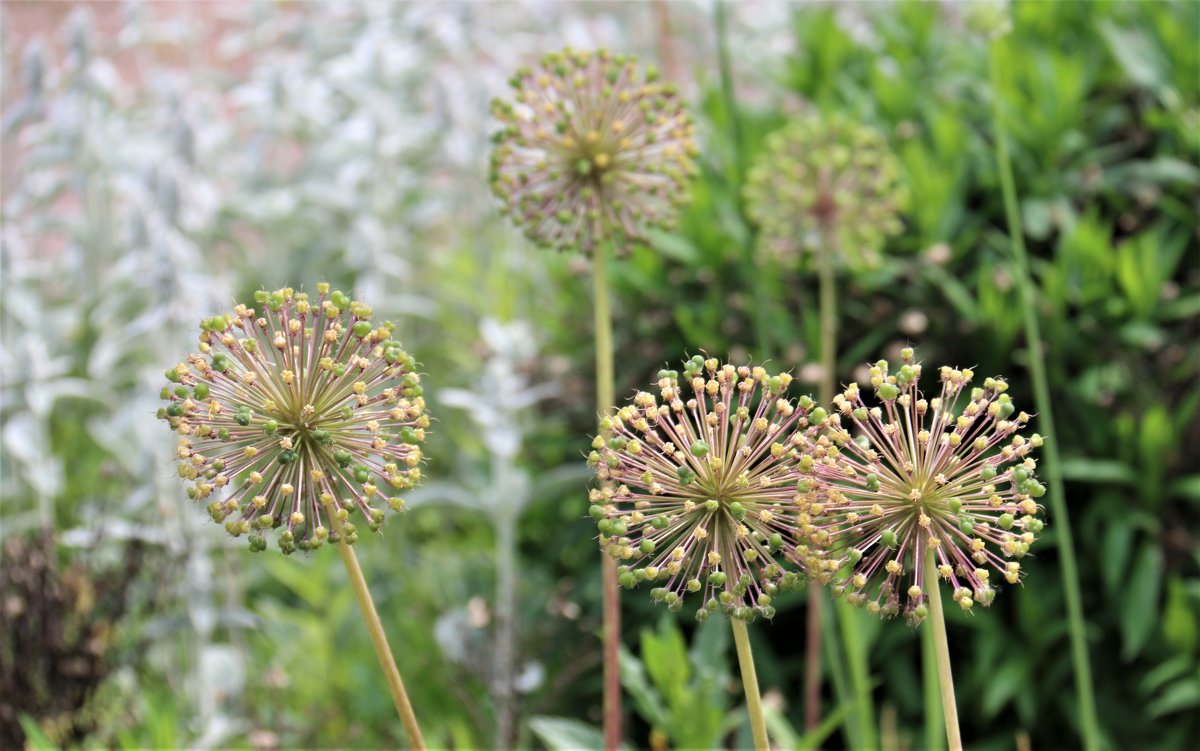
[154, 176]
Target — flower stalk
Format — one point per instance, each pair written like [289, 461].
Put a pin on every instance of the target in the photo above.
[378, 638]
[937, 621]
[758, 722]
[605, 397]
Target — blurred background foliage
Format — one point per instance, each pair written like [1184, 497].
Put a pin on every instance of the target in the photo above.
[162, 160]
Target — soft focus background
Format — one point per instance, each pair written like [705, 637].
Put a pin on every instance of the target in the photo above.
[161, 160]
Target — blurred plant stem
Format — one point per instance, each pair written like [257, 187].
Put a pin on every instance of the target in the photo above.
[604, 402]
[505, 523]
[758, 723]
[828, 313]
[933, 701]
[828, 250]
[937, 622]
[1045, 417]
[378, 637]
[758, 276]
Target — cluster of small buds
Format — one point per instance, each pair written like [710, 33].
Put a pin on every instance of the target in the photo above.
[924, 475]
[823, 175]
[288, 415]
[591, 150]
[698, 492]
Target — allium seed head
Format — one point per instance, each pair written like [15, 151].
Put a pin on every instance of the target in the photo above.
[294, 412]
[949, 474]
[830, 174]
[590, 149]
[698, 487]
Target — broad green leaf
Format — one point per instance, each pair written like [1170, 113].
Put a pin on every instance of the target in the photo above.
[1187, 487]
[664, 655]
[1102, 471]
[564, 734]
[1137, 56]
[1175, 698]
[1139, 601]
[1002, 686]
[635, 681]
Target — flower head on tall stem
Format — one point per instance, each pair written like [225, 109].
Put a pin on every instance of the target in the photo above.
[591, 149]
[949, 474]
[820, 175]
[701, 497]
[294, 412]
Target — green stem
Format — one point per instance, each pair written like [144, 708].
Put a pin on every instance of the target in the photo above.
[934, 740]
[828, 250]
[726, 72]
[812, 659]
[837, 672]
[760, 275]
[608, 567]
[505, 655]
[937, 621]
[860, 674]
[1044, 405]
[758, 723]
[378, 637]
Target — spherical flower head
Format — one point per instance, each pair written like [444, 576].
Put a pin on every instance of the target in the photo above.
[950, 474]
[294, 412]
[591, 150]
[825, 175]
[698, 487]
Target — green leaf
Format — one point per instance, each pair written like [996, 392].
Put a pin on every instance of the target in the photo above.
[1002, 686]
[709, 645]
[1179, 618]
[1102, 471]
[649, 703]
[36, 738]
[1186, 487]
[1139, 611]
[298, 576]
[816, 737]
[564, 734]
[1165, 673]
[1118, 542]
[674, 246]
[665, 656]
[1176, 697]
[1156, 441]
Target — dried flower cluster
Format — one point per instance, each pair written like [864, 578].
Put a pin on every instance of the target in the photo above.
[590, 150]
[702, 498]
[948, 475]
[295, 412]
[825, 180]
